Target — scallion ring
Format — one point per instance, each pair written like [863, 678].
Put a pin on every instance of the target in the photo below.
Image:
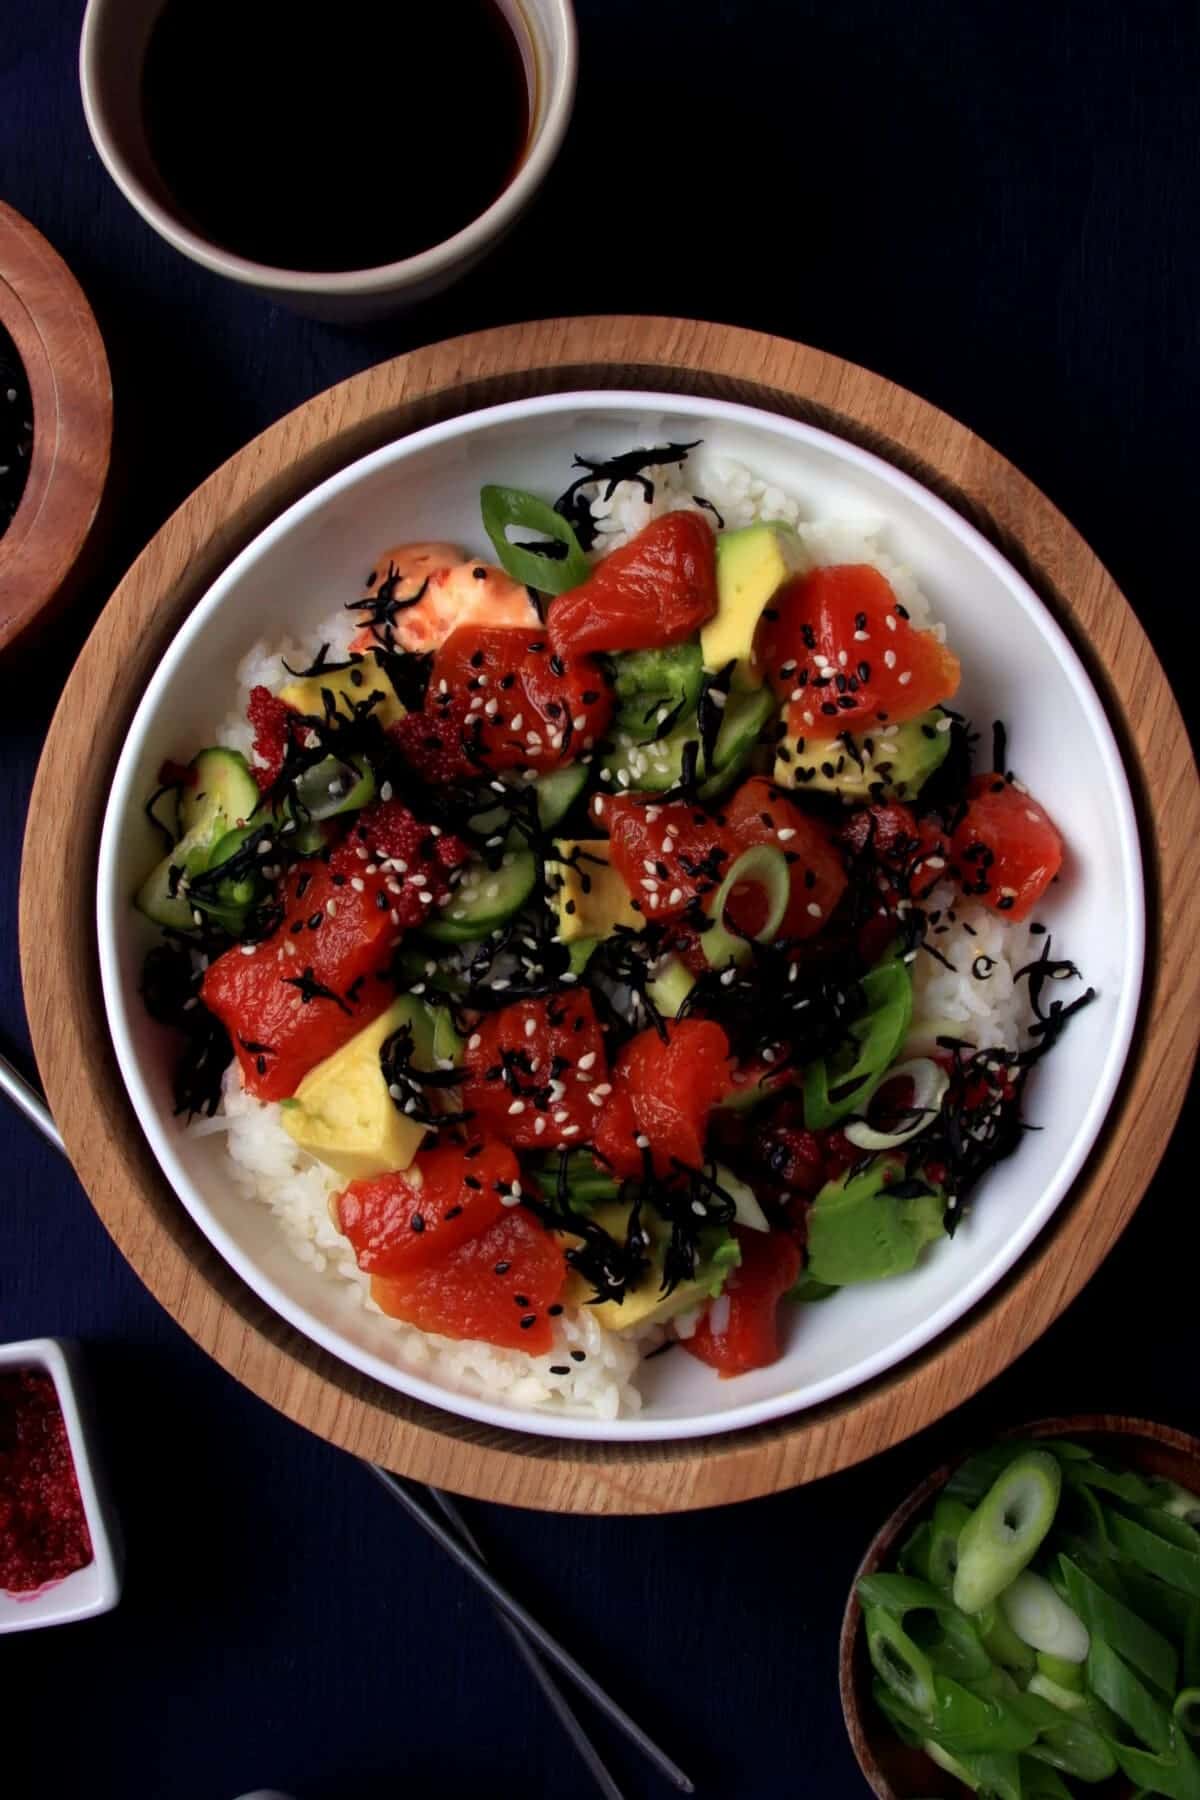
[504, 506]
[1041, 1619]
[929, 1087]
[761, 866]
[1005, 1531]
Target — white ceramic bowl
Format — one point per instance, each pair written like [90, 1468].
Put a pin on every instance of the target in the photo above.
[1018, 666]
[96, 1587]
[112, 48]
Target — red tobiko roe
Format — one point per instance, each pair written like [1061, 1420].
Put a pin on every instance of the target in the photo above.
[43, 1529]
[268, 716]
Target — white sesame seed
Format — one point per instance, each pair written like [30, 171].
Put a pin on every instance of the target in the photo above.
[796, 695]
[539, 1125]
[814, 911]
[586, 1061]
[518, 1106]
[425, 897]
[808, 718]
[331, 908]
[246, 949]
[890, 622]
[474, 1041]
[889, 658]
[1033, 817]
[843, 659]
[718, 696]
[862, 637]
[642, 1141]
[728, 978]
[603, 1088]
[786, 833]
[944, 725]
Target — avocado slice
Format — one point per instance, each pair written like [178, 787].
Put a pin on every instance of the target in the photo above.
[588, 895]
[342, 1113]
[647, 1304]
[349, 687]
[858, 1231]
[751, 567]
[887, 764]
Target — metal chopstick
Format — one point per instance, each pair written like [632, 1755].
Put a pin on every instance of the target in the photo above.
[459, 1544]
[553, 1694]
[550, 1646]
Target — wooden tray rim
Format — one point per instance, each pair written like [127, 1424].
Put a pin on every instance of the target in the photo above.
[330, 431]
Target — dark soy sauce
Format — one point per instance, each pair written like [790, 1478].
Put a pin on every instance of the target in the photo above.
[333, 137]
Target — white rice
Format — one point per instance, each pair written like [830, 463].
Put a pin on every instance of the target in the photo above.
[269, 1168]
[986, 1009]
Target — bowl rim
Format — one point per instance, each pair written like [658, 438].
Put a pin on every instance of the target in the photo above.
[411, 271]
[52, 326]
[96, 1587]
[636, 1429]
[1083, 1425]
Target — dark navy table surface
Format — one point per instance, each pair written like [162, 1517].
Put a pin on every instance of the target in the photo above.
[992, 203]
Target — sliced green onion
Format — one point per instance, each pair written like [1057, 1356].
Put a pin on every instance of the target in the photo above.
[929, 1087]
[1059, 1670]
[1177, 1502]
[913, 1556]
[832, 1090]
[1042, 1620]
[1001, 1641]
[671, 986]
[1175, 1773]
[747, 1210]
[949, 1517]
[1186, 1711]
[504, 506]
[1065, 1698]
[1038, 1782]
[761, 866]
[1076, 1748]
[1179, 1568]
[951, 1764]
[1113, 1682]
[965, 1720]
[904, 1669]
[1005, 1530]
[333, 786]
[1110, 1621]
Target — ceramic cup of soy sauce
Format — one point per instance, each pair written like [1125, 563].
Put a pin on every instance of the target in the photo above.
[349, 159]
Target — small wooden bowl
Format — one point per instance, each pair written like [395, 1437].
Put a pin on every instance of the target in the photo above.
[892, 1769]
[43, 309]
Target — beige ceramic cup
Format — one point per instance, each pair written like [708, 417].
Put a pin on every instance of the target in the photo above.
[112, 50]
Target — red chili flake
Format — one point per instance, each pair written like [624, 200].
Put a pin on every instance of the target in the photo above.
[269, 717]
[43, 1530]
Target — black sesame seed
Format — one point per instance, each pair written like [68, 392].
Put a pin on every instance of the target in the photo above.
[455, 1212]
[827, 706]
[502, 1268]
[521, 1299]
[554, 1310]
[528, 1320]
[417, 1223]
[477, 659]
[559, 1369]
[579, 1356]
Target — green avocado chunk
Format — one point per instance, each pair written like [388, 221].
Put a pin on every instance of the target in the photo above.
[880, 765]
[857, 1231]
[751, 567]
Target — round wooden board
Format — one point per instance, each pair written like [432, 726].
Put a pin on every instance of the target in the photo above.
[46, 314]
[59, 953]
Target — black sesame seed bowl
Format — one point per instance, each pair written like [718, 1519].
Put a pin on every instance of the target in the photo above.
[1018, 664]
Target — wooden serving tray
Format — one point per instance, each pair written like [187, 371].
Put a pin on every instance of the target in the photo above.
[60, 964]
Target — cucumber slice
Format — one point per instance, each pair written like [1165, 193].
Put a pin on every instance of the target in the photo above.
[485, 899]
[223, 794]
[556, 795]
[224, 789]
[334, 786]
[655, 767]
[558, 792]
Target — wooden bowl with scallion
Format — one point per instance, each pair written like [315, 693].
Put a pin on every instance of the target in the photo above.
[1026, 1625]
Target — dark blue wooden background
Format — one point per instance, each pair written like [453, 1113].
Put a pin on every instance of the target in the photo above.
[994, 202]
